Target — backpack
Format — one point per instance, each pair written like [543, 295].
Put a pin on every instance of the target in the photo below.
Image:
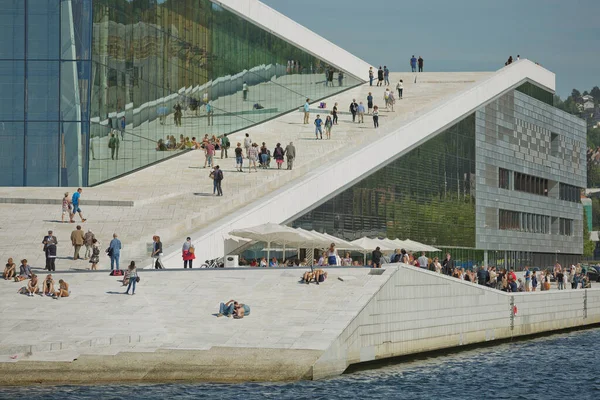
[96, 251]
[116, 272]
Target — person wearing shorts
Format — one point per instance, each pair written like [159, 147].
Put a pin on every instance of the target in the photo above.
[75, 203]
[239, 158]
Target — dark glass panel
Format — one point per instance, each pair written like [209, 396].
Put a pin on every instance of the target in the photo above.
[12, 29]
[42, 154]
[11, 153]
[12, 90]
[42, 90]
[43, 29]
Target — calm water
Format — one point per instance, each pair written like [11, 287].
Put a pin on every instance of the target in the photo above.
[557, 367]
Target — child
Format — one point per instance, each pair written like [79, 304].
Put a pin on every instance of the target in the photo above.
[66, 207]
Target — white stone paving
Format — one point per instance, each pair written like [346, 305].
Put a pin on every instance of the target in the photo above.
[174, 198]
[176, 310]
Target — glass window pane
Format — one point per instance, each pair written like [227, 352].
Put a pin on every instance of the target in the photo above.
[74, 89]
[42, 154]
[12, 29]
[75, 25]
[42, 90]
[12, 90]
[43, 24]
[11, 153]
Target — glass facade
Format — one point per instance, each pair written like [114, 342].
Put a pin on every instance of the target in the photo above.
[427, 195]
[73, 73]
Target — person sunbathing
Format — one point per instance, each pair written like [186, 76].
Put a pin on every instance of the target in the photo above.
[227, 309]
[32, 285]
[320, 276]
[9, 270]
[307, 277]
[240, 310]
[48, 286]
[63, 290]
[24, 271]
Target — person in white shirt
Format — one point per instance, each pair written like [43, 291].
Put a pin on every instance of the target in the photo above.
[247, 144]
[400, 88]
[423, 260]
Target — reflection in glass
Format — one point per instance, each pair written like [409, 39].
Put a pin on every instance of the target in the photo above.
[12, 93]
[42, 154]
[43, 24]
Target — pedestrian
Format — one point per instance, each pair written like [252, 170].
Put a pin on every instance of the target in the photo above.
[239, 159]
[340, 78]
[334, 112]
[448, 265]
[75, 205]
[247, 144]
[371, 76]
[157, 252]
[306, 111]
[87, 240]
[123, 124]
[188, 253]
[376, 257]
[318, 127]
[361, 113]
[527, 275]
[423, 260]
[113, 145]
[278, 153]
[209, 113]
[376, 116]
[264, 155]
[534, 281]
[380, 76]
[400, 88]
[290, 153]
[420, 62]
[224, 145]
[77, 239]
[369, 102]
[133, 278]
[177, 115]
[209, 153]
[560, 280]
[66, 207]
[245, 90]
[328, 125]
[47, 241]
[218, 178]
[95, 256]
[386, 75]
[252, 157]
[353, 109]
[114, 252]
[413, 64]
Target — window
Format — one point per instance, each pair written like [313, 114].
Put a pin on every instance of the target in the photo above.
[554, 144]
[523, 222]
[531, 184]
[503, 178]
[566, 227]
[569, 193]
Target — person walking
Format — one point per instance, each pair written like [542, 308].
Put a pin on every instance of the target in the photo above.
[371, 76]
[448, 265]
[157, 252]
[386, 75]
[400, 88]
[353, 109]
[328, 125]
[380, 76]
[47, 241]
[252, 157]
[113, 144]
[420, 62]
[334, 112]
[224, 145]
[188, 253]
[95, 256]
[209, 113]
[75, 203]
[278, 153]
[133, 278]
[66, 207]
[247, 144]
[77, 239]
[290, 154]
[306, 111]
[413, 64]
[376, 116]
[376, 257]
[114, 252]
[361, 113]
[239, 159]
[264, 155]
[318, 127]
[209, 153]
[218, 178]
[87, 240]
[245, 91]
[369, 102]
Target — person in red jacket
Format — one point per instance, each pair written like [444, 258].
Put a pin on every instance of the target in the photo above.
[187, 252]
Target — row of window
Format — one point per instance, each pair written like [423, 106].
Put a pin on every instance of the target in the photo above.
[533, 223]
[522, 182]
[569, 193]
[523, 222]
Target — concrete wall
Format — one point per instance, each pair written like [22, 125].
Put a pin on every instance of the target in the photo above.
[418, 311]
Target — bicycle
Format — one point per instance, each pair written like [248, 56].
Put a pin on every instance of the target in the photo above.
[214, 263]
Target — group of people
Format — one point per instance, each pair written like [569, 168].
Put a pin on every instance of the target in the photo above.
[416, 62]
[510, 60]
[262, 155]
[49, 288]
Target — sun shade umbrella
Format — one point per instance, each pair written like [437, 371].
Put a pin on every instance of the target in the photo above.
[340, 244]
[368, 244]
[270, 233]
[314, 239]
[416, 246]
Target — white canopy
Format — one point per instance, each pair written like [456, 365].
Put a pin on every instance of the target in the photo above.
[340, 244]
[416, 246]
[272, 233]
[368, 244]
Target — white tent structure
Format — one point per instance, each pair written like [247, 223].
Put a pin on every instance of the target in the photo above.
[416, 246]
[368, 244]
[232, 243]
[271, 233]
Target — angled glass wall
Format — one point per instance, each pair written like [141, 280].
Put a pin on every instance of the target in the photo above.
[74, 73]
[426, 195]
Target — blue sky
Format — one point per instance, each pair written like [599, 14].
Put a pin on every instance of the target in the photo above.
[462, 35]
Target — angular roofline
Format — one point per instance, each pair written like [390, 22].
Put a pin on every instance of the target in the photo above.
[292, 32]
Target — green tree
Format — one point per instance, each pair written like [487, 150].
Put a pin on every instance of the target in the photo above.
[588, 245]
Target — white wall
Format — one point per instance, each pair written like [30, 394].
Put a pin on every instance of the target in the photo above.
[280, 25]
[301, 195]
[418, 311]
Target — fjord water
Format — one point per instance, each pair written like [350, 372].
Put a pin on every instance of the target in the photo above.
[564, 366]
